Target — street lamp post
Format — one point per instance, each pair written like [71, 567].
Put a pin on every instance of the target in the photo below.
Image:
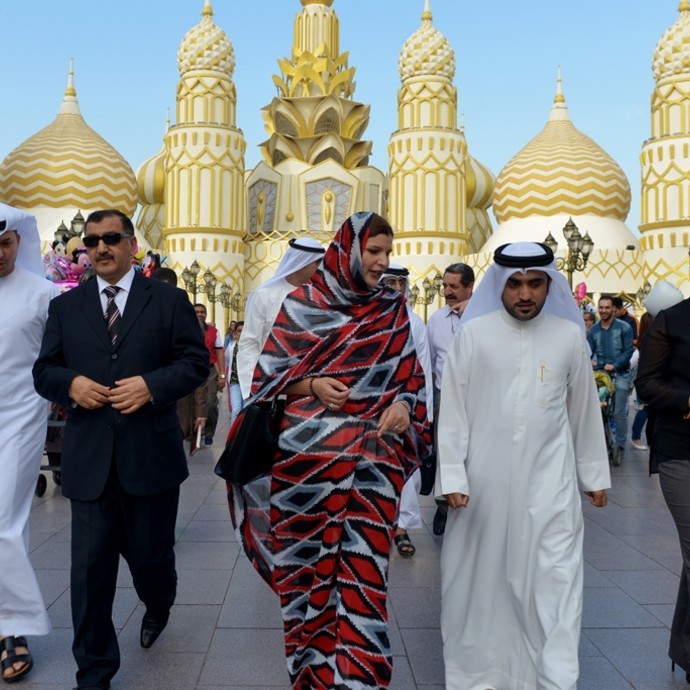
[430, 292]
[224, 299]
[189, 278]
[579, 250]
[642, 293]
[206, 286]
[237, 303]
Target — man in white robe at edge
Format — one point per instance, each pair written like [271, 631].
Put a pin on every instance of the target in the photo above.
[24, 298]
[297, 266]
[409, 517]
[520, 429]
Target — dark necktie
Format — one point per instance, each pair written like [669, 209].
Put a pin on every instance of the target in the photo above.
[112, 313]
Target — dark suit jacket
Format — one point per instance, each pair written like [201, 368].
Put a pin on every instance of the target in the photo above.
[158, 338]
[663, 380]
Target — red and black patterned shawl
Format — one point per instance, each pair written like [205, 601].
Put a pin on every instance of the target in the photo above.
[338, 326]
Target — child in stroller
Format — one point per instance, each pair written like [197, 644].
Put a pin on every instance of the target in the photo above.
[606, 390]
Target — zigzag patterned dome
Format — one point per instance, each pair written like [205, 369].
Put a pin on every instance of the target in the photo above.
[68, 164]
[561, 171]
[672, 54]
[427, 52]
[206, 47]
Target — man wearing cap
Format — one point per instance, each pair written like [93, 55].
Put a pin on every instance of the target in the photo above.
[458, 282]
[297, 266]
[397, 277]
[24, 298]
[511, 465]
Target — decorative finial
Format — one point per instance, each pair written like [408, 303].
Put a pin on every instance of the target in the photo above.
[208, 10]
[559, 98]
[70, 105]
[684, 6]
[70, 90]
[167, 119]
[328, 3]
[462, 123]
[426, 15]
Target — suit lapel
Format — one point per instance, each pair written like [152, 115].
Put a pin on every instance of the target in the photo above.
[136, 300]
[93, 310]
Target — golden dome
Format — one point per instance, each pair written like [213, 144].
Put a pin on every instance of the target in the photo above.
[206, 47]
[427, 52]
[151, 177]
[561, 171]
[672, 54]
[479, 184]
[68, 164]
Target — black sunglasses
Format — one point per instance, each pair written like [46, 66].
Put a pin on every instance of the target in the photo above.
[110, 238]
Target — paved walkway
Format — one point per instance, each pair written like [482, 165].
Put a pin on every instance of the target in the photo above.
[225, 630]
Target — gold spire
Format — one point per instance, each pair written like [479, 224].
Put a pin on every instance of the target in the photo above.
[70, 104]
[426, 15]
[684, 6]
[208, 10]
[70, 90]
[328, 3]
[559, 97]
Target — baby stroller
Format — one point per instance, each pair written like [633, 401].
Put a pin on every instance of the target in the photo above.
[53, 448]
[606, 390]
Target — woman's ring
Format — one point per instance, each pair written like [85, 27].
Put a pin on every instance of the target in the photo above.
[330, 406]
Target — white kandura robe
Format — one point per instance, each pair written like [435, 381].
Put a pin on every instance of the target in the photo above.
[24, 299]
[519, 428]
[262, 310]
[409, 516]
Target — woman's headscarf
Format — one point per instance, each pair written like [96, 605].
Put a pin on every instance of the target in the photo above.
[336, 325]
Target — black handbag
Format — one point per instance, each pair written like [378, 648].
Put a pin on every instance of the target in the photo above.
[428, 471]
[252, 443]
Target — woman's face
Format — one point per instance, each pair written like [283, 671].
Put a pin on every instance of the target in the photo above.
[375, 258]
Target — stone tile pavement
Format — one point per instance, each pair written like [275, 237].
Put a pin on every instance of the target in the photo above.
[225, 629]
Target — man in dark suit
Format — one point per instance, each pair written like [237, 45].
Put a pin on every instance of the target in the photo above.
[120, 359]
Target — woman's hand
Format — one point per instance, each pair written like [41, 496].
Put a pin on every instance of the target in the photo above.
[331, 392]
[395, 418]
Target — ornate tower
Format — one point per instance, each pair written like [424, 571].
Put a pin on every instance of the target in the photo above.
[665, 160]
[204, 163]
[427, 157]
[316, 169]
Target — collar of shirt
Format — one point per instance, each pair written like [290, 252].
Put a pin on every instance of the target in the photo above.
[125, 285]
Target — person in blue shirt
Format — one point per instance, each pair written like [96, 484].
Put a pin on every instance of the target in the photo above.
[611, 342]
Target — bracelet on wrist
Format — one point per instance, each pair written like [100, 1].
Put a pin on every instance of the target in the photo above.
[311, 386]
[407, 406]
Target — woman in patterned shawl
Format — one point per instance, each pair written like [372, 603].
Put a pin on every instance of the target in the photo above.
[319, 528]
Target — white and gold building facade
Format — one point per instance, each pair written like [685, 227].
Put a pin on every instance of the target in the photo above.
[665, 160]
[198, 202]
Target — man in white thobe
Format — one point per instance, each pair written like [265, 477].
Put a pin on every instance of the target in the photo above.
[510, 464]
[24, 298]
[297, 266]
[409, 517]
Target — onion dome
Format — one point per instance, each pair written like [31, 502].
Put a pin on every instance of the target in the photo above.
[479, 184]
[561, 171]
[672, 54]
[427, 52]
[151, 177]
[68, 164]
[206, 47]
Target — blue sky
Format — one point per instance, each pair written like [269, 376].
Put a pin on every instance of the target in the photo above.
[507, 56]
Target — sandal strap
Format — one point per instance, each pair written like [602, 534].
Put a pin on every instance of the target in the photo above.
[8, 646]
